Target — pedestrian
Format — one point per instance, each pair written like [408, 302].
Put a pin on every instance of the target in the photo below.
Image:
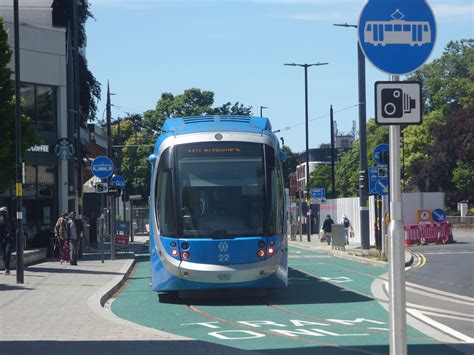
[347, 227]
[73, 237]
[327, 228]
[7, 233]
[60, 233]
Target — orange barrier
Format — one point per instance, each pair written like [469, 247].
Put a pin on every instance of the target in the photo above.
[439, 233]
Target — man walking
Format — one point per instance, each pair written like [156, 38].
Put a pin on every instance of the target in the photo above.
[327, 228]
[6, 237]
[60, 232]
[73, 237]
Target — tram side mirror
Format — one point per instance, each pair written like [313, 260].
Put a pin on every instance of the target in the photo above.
[151, 158]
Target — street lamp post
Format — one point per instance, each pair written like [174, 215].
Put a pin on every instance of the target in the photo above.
[261, 110]
[19, 170]
[308, 197]
[363, 205]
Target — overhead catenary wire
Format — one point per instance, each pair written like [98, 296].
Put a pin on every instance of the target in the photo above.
[287, 128]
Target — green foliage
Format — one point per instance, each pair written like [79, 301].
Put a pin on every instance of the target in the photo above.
[321, 177]
[463, 179]
[144, 132]
[7, 121]
[439, 152]
[193, 102]
[449, 80]
[347, 170]
[347, 173]
[289, 165]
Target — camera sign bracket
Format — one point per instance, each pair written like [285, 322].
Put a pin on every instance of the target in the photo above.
[398, 102]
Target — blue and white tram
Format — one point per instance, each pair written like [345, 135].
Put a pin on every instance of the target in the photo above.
[217, 210]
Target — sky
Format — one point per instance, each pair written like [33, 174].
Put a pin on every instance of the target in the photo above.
[237, 49]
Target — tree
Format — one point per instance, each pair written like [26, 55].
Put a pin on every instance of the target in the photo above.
[139, 135]
[193, 102]
[448, 81]
[289, 165]
[347, 169]
[440, 151]
[89, 87]
[7, 121]
[321, 177]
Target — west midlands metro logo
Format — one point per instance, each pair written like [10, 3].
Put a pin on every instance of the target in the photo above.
[223, 247]
[397, 36]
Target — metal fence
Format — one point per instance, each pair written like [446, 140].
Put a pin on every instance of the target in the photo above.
[141, 220]
[461, 222]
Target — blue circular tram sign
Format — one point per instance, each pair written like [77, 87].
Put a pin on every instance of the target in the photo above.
[397, 36]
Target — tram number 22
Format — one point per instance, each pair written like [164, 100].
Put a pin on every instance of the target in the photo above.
[224, 257]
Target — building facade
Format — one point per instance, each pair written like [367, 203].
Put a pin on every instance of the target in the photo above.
[48, 179]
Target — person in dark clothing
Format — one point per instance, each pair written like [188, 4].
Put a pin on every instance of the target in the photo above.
[7, 233]
[327, 228]
[73, 237]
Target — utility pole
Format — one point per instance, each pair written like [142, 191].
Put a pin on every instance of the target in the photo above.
[363, 196]
[110, 199]
[77, 108]
[308, 197]
[19, 169]
[333, 175]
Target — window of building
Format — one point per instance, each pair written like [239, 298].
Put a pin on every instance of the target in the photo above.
[40, 105]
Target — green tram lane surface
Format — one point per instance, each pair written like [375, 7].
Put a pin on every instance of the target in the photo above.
[327, 309]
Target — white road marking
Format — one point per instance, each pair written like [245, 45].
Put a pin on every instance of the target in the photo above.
[442, 327]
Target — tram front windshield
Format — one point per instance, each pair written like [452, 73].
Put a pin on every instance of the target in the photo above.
[221, 189]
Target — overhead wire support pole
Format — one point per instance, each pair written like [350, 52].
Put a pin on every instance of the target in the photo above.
[363, 196]
[77, 107]
[308, 197]
[19, 170]
[333, 158]
[110, 199]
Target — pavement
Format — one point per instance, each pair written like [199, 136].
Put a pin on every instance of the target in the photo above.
[60, 308]
[353, 251]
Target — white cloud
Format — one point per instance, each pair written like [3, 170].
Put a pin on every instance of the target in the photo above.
[448, 12]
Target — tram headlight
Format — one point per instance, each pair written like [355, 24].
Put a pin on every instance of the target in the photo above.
[271, 251]
[185, 255]
[261, 243]
[184, 245]
[261, 253]
[174, 252]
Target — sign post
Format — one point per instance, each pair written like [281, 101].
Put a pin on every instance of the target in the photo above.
[396, 36]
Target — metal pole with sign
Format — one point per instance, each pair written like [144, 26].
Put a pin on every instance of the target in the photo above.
[397, 37]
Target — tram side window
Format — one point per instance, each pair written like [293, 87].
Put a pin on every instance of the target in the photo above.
[166, 211]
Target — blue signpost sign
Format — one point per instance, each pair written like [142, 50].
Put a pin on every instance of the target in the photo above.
[438, 215]
[319, 192]
[118, 181]
[397, 36]
[380, 154]
[373, 177]
[102, 167]
[381, 187]
[377, 185]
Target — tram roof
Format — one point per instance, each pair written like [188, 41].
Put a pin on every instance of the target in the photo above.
[218, 123]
